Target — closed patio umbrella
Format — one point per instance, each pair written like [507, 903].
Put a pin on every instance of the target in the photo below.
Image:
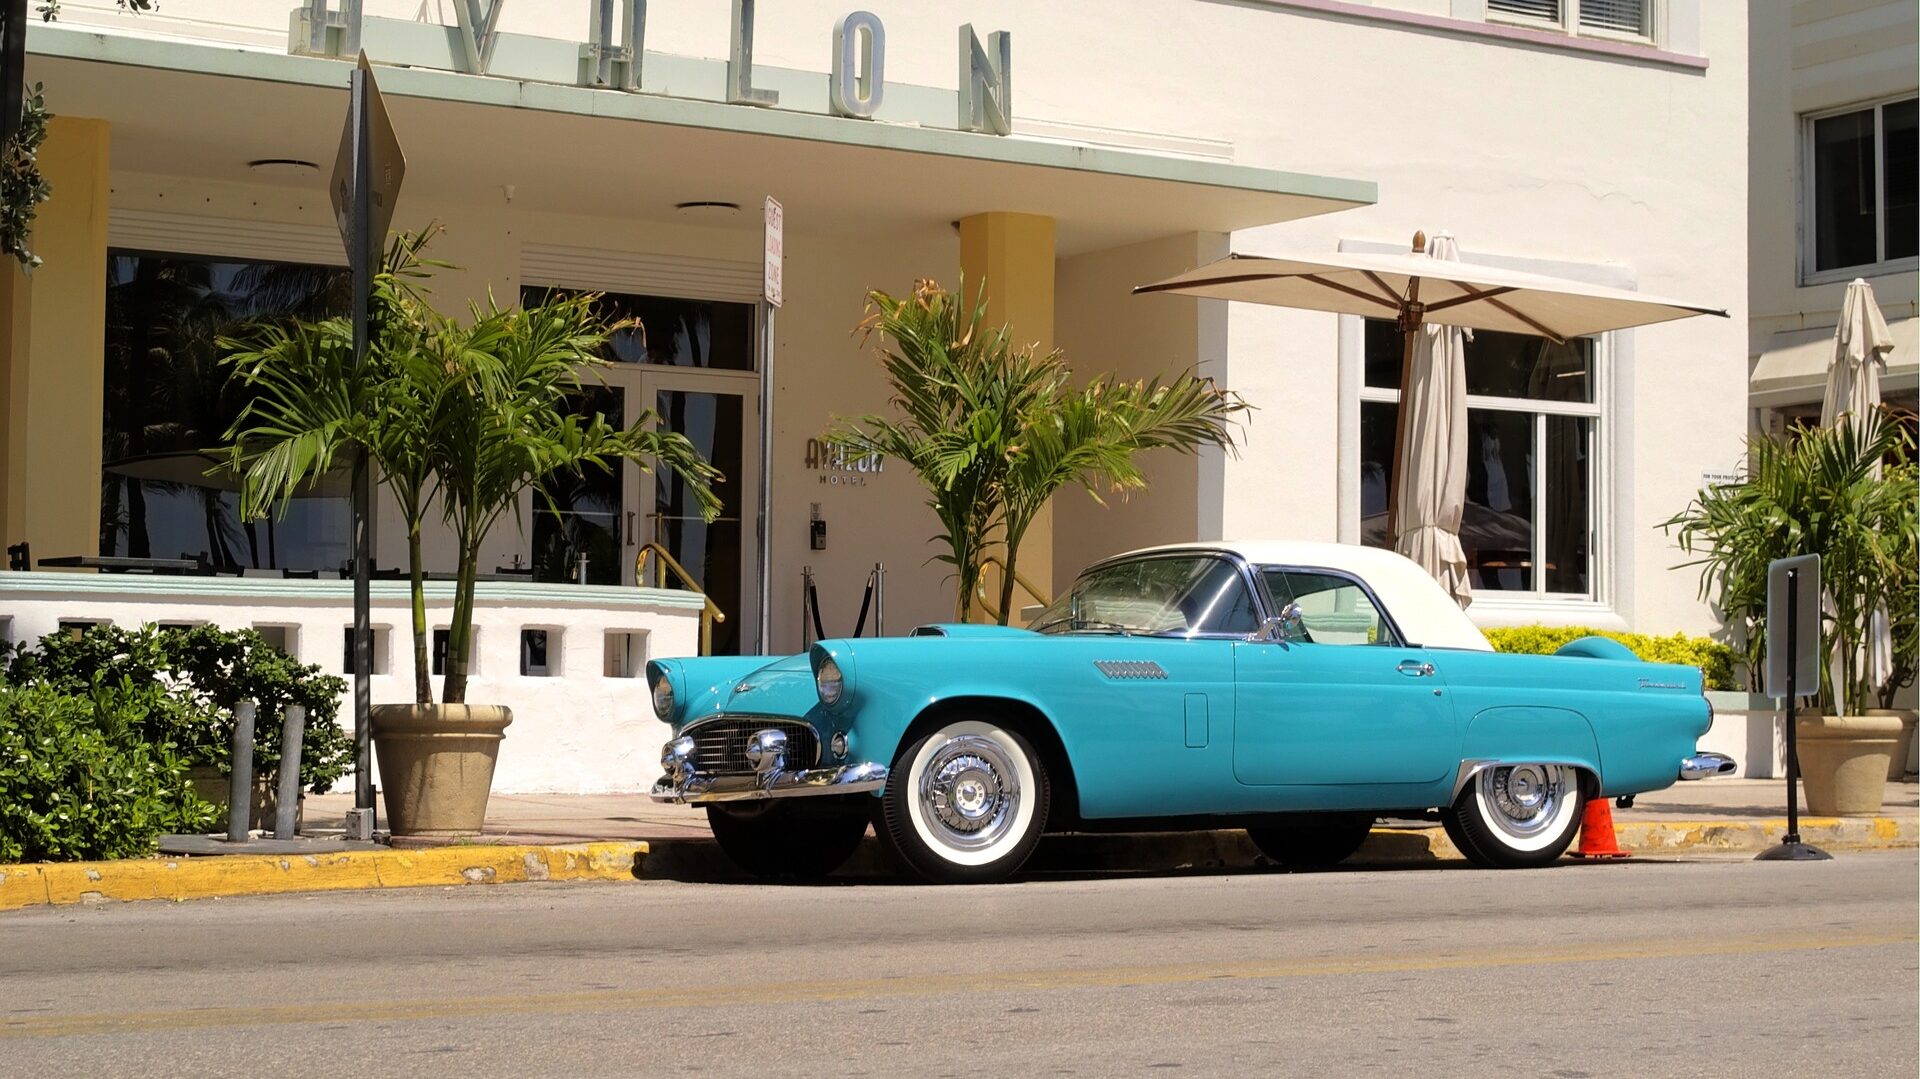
[1860, 345]
[1433, 454]
[1415, 289]
[1861, 342]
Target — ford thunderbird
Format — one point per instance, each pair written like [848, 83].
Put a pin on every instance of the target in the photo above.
[1298, 690]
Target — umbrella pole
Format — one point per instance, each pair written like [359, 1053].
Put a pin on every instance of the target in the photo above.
[1412, 313]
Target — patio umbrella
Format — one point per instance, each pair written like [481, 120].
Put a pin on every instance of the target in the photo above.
[1427, 512]
[1416, 288]
[1860, 344]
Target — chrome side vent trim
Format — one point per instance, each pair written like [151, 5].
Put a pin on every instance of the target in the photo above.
[1130, 669]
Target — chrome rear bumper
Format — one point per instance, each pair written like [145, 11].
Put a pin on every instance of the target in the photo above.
[1706, 765]
[846, 779]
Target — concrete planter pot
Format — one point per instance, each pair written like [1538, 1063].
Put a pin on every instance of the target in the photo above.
[1897, 766]
[1747, 727]
[436, 765]
[1843, 762]
[210, 783]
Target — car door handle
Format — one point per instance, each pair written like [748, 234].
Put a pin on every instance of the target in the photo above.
[1414, 668]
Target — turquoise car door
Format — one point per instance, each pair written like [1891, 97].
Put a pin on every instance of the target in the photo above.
[1338, 699]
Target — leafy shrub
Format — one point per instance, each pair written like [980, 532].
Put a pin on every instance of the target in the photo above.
[78, 782]
[204, 671]
[1714, 659]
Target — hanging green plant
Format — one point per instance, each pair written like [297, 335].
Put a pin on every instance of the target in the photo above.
[22, 188]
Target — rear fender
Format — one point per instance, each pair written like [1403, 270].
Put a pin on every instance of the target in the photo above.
[1523, 734]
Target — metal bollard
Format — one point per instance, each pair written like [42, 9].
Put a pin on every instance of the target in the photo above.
[240, 788]
[292, 733]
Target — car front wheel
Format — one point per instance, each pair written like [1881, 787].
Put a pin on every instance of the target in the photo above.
[1516, 816]
[804, 838]
[965, 803]
[1315, 840]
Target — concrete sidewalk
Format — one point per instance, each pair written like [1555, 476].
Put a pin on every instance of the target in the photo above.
[1724, 814]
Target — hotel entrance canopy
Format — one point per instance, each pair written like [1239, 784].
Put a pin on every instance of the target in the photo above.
[200, 111]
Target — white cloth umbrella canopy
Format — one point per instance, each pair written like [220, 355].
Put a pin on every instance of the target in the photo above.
[1433, 455]
[1860, 345]
[1418, 289]
[1455, 293]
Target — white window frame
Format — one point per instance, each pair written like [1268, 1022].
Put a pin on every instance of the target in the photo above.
[1598, 515]
[1571, 23]
[1805, 193]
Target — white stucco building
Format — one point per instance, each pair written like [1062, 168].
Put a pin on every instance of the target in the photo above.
[1605, 141]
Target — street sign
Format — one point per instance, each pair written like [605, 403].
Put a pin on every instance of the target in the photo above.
[1793, 585]
[776, 251]
[387, 166]
[13, 66]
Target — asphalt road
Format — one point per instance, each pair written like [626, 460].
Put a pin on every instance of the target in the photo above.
[1709, 968]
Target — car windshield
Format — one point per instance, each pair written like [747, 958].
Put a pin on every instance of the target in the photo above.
[1165, 596]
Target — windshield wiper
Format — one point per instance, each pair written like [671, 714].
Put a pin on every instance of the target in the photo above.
[1079, 624]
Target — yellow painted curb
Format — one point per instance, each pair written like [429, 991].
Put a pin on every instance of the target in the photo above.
[1658, 837]
[57, 883]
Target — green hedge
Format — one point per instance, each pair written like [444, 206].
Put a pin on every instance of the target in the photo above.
[78, 782]
[1714, 659]
[205, 670]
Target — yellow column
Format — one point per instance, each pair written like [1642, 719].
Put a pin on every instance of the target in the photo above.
[1011, 256]
[53, 357]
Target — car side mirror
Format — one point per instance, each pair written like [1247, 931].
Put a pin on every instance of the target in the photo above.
[1289, 625]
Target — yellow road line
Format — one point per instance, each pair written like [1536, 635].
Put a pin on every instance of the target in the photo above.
[915, 985]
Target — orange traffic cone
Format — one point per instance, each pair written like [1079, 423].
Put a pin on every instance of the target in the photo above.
[1596, 832]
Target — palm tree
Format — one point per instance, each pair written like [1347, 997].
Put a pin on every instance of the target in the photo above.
[310, 408]
[994, 431]
[958, 386]
[1090, 437]
[506, 425]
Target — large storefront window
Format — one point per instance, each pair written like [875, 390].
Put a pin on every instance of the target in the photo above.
[1533, 426]
[168, 405]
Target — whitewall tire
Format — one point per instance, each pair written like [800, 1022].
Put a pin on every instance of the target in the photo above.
[965, 803]
[1516, 816]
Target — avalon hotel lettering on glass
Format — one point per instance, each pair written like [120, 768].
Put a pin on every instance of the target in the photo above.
[615, 57]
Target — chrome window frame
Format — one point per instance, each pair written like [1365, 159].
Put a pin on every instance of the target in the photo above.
[1248, 580]
[1386, 616]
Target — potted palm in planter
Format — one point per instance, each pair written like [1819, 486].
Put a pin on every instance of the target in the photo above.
[462, 417]
[1847, 494]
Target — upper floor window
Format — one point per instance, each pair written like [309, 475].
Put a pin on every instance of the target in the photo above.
[1533, 463]
[1860, 190]
[1629, 17]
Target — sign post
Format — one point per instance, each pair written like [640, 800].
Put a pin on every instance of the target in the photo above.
[770, 293]
[366, 181]
[1793, 661]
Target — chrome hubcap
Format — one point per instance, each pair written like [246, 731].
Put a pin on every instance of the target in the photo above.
[970, 792]
[1525, 798]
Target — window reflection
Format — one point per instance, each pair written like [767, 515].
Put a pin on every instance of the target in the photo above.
[167, 402]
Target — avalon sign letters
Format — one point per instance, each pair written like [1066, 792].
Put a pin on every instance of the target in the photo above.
[615, 57]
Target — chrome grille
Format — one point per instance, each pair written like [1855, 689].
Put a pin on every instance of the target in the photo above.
[720, 745]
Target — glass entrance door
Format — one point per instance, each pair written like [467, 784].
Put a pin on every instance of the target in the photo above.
[717, 413]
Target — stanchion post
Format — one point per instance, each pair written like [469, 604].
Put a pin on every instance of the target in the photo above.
[293, 732]
[1785, 575]
[240, 780]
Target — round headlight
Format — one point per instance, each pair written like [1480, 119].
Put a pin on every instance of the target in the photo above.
[828, 681]
[663, 697]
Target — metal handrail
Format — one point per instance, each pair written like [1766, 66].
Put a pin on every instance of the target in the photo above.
[1019, 582]
[710, 612]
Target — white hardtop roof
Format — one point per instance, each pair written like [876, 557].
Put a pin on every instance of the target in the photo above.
[1422, 609]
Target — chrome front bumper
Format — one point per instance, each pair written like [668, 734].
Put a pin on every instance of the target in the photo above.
[846, 779]
[1707, 765]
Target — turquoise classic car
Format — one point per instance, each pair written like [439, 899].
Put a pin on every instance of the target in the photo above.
[1297, 690]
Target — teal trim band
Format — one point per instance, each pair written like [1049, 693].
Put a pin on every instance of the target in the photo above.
[143, 586]
[232, 62]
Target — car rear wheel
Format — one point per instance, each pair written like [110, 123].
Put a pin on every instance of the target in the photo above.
[965, 803]
[1516, 816]
[1314, 841]
[803, 838]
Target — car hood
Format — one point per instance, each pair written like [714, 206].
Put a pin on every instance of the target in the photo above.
[781, 688]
